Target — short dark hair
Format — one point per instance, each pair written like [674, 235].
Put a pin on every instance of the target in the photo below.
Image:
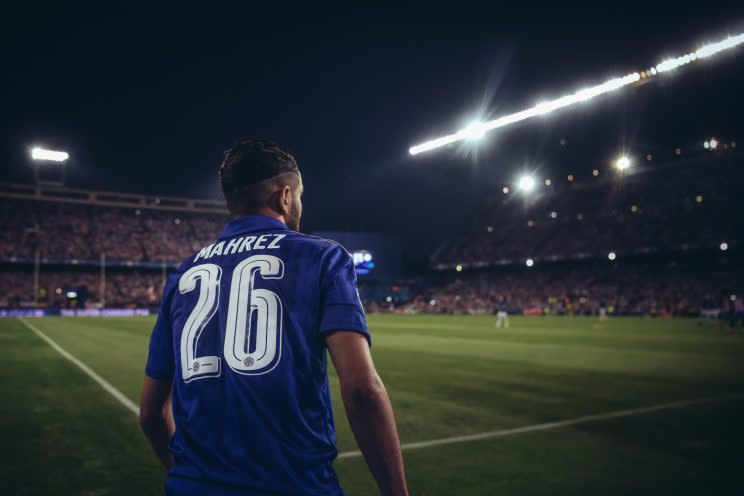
[249, 163]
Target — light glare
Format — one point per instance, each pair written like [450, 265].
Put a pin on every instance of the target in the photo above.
[622, 163]
[475, 130]
[526, 183]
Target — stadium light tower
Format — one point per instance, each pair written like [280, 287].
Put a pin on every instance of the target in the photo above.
[51, 158]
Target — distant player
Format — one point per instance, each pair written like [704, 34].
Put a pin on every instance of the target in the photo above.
[602, 310]
[502, 313]
[709, 311]
[241, 343]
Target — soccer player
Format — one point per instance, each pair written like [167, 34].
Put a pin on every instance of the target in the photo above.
[602, 310]
[502, 314]
[241, 342]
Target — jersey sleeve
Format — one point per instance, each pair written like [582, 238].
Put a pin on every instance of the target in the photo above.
[160, 359]
[341, 309]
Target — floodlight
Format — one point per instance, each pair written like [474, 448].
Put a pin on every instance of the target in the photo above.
[611, 255]
[713, 143]
[526, 183]
[714, 48]
[530, 262]
[622, 163]
[724, 246]
[477, 129]
[50, 155]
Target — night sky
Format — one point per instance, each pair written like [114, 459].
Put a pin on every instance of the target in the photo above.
[146, 100]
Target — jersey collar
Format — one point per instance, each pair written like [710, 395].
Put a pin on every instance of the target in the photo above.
[250, 223]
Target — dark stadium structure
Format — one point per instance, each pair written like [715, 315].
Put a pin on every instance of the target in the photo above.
[659, 239]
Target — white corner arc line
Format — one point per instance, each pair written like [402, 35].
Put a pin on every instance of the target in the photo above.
[106, 385]
[552, 425]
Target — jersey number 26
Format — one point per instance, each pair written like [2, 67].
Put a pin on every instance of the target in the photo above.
[245, 301]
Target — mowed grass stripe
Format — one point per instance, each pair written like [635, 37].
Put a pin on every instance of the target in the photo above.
[116, 348]
[553, 425]
[618, 333]
[105, 385]
[561, 355]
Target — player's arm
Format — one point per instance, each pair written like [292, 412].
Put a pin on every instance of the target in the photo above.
[369, 410]
[156, 417]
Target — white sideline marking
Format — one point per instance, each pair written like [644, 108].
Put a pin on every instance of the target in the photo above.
[106, 385]
[552, 425]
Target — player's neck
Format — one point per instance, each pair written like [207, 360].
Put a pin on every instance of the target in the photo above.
[265, 211]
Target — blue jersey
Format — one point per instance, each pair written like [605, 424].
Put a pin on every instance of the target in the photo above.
[241, 335]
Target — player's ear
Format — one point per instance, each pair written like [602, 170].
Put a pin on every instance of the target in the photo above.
[285, 198]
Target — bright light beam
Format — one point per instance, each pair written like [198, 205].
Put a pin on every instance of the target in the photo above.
[476, 130]
[51, 155]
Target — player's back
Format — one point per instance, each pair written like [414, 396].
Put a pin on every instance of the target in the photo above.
[245, 319]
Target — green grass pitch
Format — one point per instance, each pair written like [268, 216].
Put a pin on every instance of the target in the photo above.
[447, 376]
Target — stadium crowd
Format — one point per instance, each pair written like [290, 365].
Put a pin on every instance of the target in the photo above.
[133, 288]
[65, 232]
[629, 289]
[677, 289]
[650, 210]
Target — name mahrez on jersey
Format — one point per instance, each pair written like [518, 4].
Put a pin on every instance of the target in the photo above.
[239, 245]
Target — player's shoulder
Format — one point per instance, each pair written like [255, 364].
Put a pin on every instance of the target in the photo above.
[327, 251]
[325, 245]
